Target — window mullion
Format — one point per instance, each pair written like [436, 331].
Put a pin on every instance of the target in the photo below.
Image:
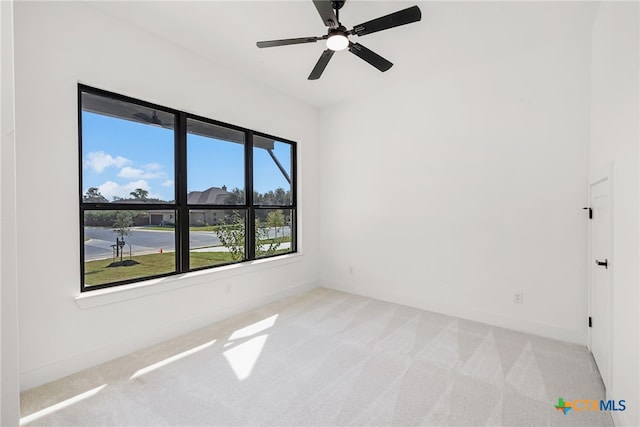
[251, 217]
[182, 234]
[294, 197]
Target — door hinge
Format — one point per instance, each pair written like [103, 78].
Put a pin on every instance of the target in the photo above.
[590, 323]
[590, 212]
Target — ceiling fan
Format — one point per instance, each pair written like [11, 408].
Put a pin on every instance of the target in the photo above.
[337, 36]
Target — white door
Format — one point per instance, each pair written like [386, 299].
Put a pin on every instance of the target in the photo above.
[600, 265]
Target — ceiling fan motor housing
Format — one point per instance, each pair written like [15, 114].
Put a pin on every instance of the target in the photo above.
[337, 4]
[341, 31]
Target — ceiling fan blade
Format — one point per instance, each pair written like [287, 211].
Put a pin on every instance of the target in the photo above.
[321, 65]
[285, 42]
[325, 9]
[370, 56]
[402, 17]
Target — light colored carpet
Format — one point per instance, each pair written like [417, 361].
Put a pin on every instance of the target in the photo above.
[331, 358]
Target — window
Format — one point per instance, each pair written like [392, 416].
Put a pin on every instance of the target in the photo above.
[164, 192]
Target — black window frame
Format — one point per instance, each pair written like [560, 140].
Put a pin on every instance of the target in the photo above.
[180, 205]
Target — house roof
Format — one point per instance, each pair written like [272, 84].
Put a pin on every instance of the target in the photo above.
[210, 196]
[213, 195]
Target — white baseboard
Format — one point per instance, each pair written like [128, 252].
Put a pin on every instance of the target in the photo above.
[521, 325]
[618, 419]
[621, 419]
[79, 362]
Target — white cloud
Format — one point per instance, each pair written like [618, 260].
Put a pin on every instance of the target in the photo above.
[130, 173]
[167, 183]
[133, 173]
[110, 189]
[154, 175]
[99, 161]
[153, 166]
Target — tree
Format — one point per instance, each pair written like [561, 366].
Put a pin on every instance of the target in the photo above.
[99, 218]
[235, 197]
[275, 220]
[122, 227]
[93, 196]
[282, 197]
[140, 194]
[264, 245]
[232, 234]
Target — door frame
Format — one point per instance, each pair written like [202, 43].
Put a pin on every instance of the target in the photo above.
[604, 175]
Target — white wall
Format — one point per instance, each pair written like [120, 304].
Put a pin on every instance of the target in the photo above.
[454, 191]
[9, 385]
[449, 193]
[615, 135]
[77, 43]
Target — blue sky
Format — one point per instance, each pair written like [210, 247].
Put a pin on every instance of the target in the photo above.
[120, 156]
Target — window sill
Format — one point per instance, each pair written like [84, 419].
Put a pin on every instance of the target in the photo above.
[106, 296]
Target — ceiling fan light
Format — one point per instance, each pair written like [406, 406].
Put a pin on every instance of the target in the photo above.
[337, 42]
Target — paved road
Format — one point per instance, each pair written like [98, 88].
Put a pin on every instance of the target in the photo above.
[100, 239]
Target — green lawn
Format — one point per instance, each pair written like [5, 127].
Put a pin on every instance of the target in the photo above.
[155, 228]
[99, 272]
[206, 259]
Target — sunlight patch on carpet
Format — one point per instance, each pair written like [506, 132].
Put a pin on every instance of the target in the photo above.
[254, 328]
[171, 359]
[58, 406]
[243, 357]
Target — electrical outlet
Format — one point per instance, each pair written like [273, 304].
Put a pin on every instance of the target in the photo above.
[228, 288]
[351, 270]
[517, 297]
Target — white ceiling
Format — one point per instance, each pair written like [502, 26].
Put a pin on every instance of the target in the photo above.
[451, 35]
